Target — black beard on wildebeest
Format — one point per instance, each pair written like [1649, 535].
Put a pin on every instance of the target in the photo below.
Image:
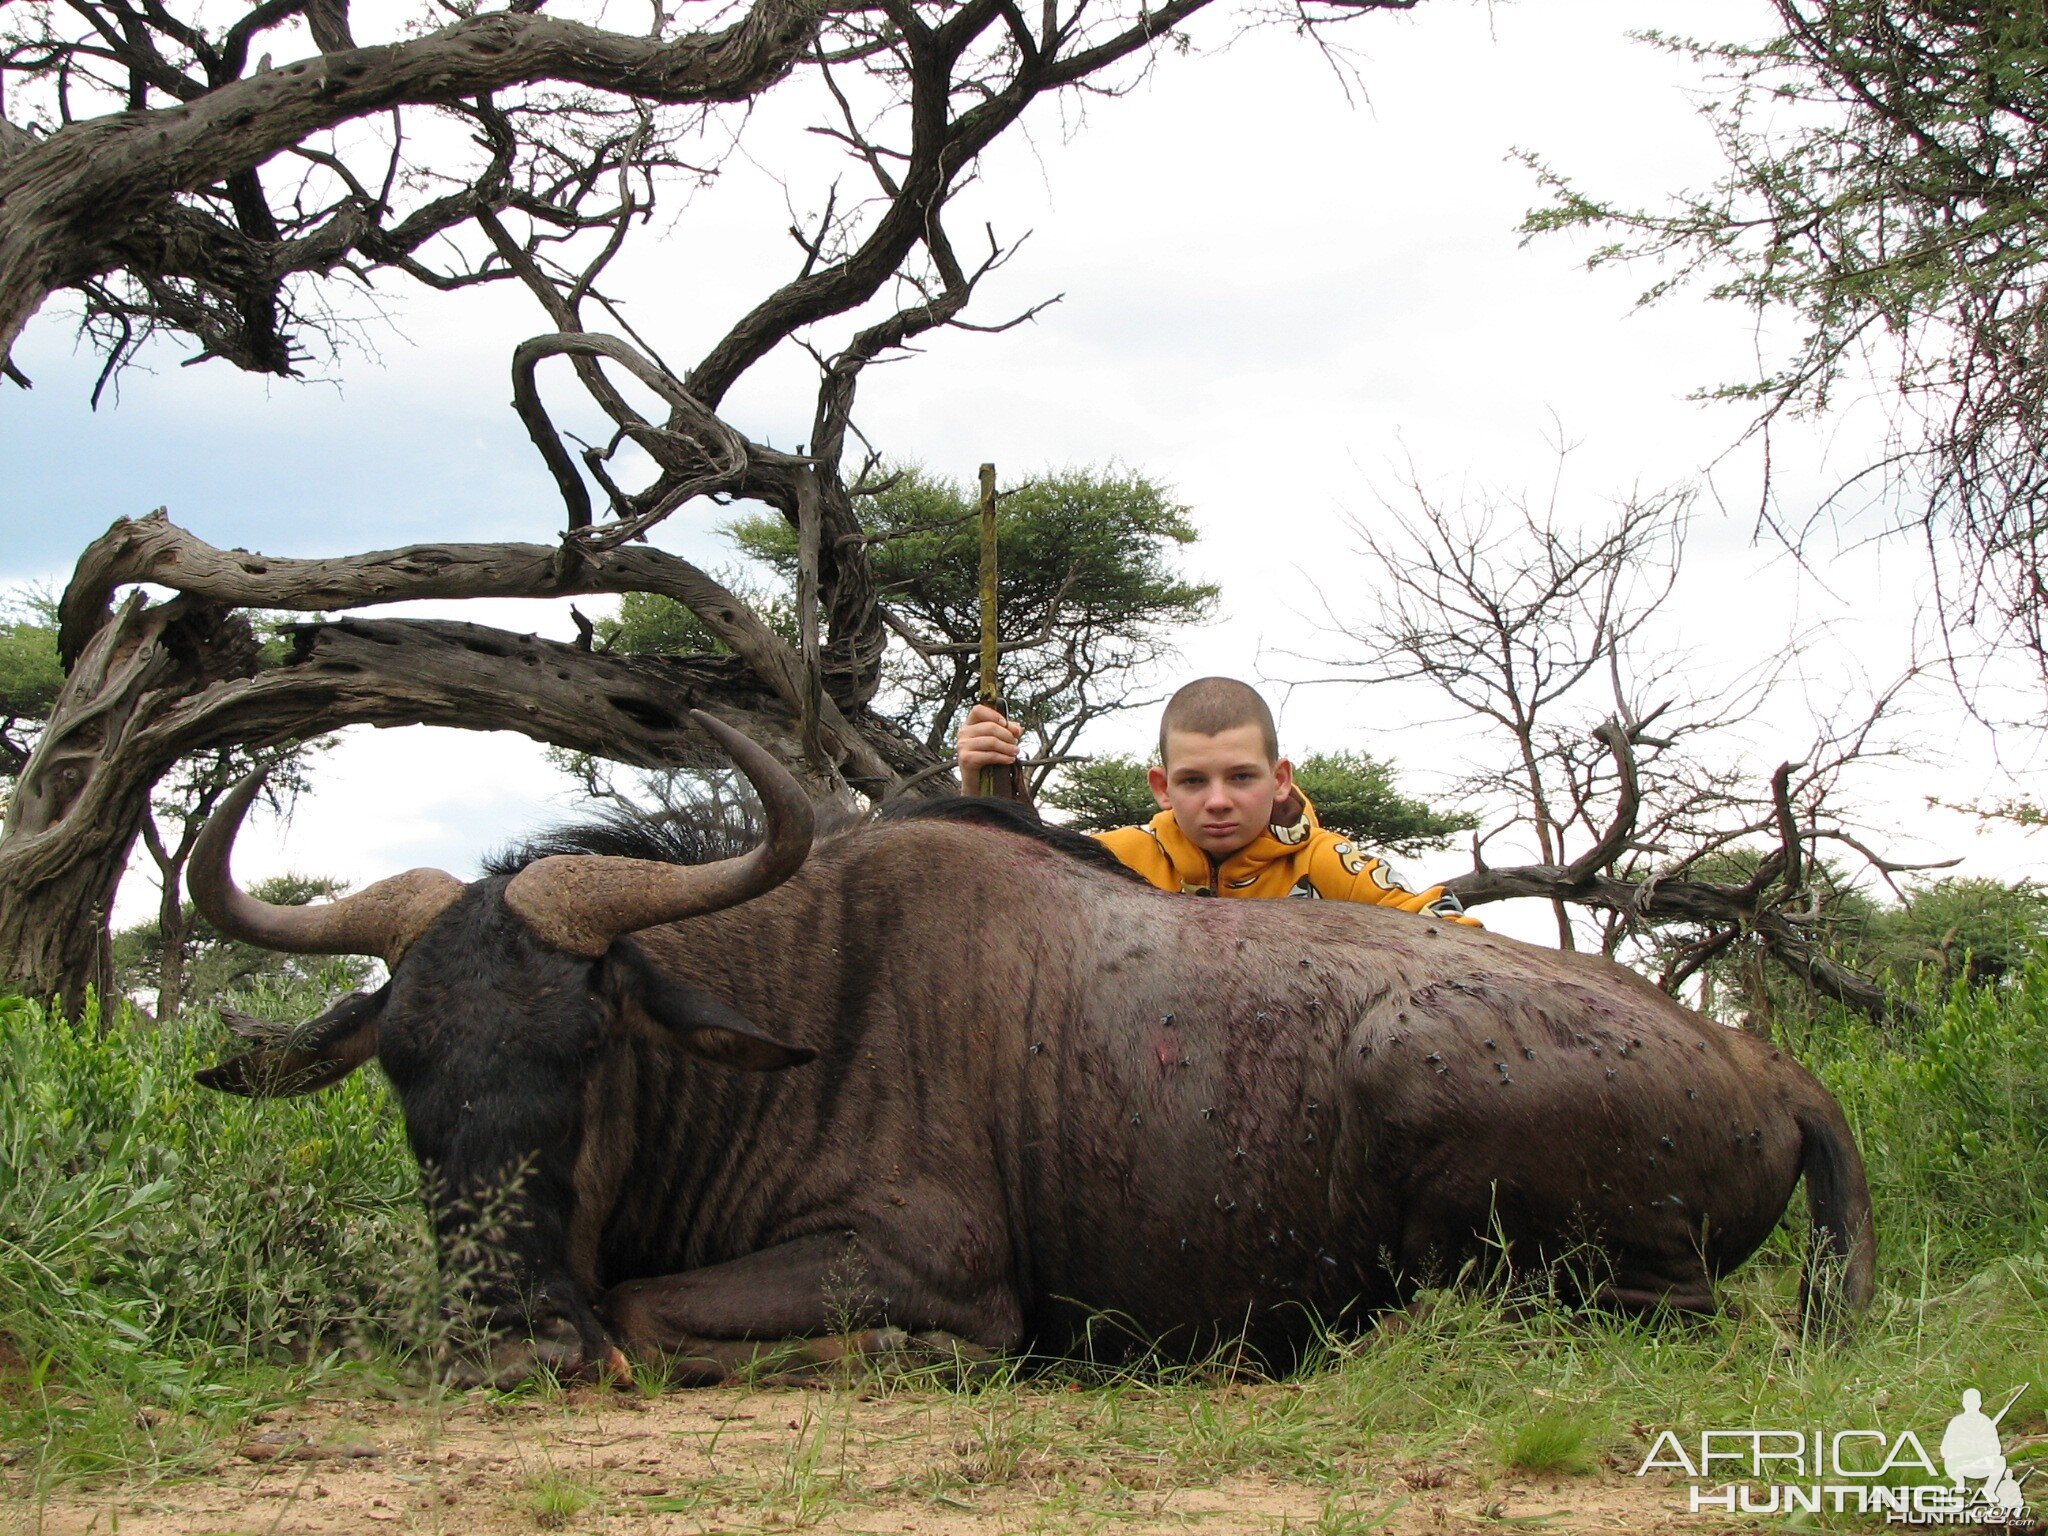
[1005, 1092]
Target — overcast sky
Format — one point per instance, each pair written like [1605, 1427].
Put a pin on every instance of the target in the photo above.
[1277, 300]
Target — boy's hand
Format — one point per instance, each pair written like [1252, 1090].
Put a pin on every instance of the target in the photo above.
[987, 740]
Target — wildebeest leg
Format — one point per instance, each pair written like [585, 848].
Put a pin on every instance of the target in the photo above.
[802, 1296]
[686, 1361]
[1684, 1296]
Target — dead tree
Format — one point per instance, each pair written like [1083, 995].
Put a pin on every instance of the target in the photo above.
[1508, 612]
[208, 196]
[161, 168]
[1536, 627]
[1644, 889]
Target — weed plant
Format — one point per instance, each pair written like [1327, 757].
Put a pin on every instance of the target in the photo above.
[172, 1260]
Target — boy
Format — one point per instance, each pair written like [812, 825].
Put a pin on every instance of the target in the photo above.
[1231, 820]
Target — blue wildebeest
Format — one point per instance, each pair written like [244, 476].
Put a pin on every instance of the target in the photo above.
[954, 1073]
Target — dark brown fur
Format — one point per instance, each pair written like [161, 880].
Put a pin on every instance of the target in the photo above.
[1049, 1105]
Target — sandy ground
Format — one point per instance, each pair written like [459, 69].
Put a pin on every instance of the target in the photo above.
[781, 1459]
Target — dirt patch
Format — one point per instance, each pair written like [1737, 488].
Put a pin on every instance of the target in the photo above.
[906, 1463]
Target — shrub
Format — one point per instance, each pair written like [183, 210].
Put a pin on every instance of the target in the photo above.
[160, 1234]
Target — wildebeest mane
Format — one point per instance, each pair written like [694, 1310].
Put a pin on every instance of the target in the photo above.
[699, 835]
[1009, 816]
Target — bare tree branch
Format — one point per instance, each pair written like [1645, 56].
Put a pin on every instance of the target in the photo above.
[65, 199]
[1521, 618]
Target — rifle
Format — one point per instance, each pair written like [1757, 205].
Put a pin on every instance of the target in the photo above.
[999, 781]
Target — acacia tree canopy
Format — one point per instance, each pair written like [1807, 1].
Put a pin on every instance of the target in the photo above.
[1087, 592]
[1887, 188]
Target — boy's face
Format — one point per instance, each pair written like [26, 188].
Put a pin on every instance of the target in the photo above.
[1221, 788]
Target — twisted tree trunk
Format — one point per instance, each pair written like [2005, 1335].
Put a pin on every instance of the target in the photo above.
[151, 683]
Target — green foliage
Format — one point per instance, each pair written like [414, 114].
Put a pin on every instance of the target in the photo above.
[1352, 793]
[650, 624]
[1957, 929]
[1102, 793]
[30, 674]
[216, 969]
[160, 1242]
[1960, 929]
[1086, 560]
[1089, 541]
[1355, 794]
[1952, 1115]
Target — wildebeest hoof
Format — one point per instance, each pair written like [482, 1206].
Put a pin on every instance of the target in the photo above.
[554, 1347]
[971, 1360]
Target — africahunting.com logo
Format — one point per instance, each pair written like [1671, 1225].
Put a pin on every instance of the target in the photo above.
[1859, 1471]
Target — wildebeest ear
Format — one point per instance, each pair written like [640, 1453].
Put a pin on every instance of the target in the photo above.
[700, 1023]
[303, 1058]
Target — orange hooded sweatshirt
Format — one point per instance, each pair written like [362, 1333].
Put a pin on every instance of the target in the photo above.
[1298, 858]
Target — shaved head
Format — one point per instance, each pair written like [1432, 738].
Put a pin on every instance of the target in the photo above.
[1210, 706]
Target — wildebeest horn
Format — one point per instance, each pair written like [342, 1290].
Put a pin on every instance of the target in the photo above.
[580, 903]
[381, 919]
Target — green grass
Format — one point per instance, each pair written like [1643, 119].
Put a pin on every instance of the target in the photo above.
[1552, 1440]
[554, 1499]
[174, 1261]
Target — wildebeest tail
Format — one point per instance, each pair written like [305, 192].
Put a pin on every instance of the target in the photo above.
[1841, 1263]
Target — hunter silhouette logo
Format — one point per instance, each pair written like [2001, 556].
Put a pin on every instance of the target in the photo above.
[1972, 1452]
[1859, 1471]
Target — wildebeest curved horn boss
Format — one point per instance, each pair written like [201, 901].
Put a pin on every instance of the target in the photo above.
[1007, 1092]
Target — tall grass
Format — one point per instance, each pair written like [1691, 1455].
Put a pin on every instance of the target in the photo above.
[173, 1259]
[164, 1248]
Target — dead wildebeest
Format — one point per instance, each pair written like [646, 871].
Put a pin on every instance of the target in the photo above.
[1004, 1091]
